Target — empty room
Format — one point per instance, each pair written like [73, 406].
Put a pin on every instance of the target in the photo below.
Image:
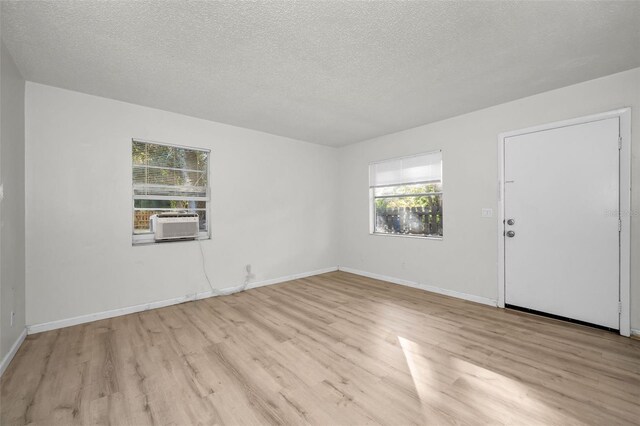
[319, 212]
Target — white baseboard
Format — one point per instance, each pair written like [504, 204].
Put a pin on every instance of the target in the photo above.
[68, 322]
[635, 332]
[12, 352]
[426, 287]
[291, 277]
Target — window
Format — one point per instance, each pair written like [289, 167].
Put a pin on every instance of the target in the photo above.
[168, 178]
[406, 196]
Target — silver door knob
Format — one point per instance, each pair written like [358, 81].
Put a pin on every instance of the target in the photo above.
[511, 234]
[511, 222]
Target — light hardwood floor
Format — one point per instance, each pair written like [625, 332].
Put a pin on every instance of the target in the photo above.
[331, 349]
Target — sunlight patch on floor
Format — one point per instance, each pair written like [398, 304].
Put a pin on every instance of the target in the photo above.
[440, 378]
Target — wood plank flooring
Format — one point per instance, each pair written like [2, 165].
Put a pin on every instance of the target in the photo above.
[333, 349]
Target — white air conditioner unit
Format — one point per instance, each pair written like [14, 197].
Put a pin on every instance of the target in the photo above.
[174, 226]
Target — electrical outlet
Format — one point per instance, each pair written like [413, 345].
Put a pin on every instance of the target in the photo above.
[13, 318]
[487, 212]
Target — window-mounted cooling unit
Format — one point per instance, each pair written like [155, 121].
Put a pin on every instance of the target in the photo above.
[174, 226]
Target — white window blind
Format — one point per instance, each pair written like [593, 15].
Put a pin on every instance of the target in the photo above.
[401, 171]
[165, 172]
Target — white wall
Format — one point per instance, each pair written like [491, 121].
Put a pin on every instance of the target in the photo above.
[466, 259]
[12, 207]
[274, 200]
[273, 206]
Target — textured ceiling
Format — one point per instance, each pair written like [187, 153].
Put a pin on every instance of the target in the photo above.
[327, 72]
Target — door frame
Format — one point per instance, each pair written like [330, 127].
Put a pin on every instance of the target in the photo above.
[624, 115]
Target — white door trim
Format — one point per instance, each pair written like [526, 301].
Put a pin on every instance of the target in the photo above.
[625, 204]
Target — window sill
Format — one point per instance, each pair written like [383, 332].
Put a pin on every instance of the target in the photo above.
[147, 239]
[420, 237]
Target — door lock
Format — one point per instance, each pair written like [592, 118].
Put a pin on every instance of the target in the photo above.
[511, 234]
[511, 222]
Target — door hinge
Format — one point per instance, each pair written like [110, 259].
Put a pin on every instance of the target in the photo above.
[619, 225]
[619, 307]
[619, 142]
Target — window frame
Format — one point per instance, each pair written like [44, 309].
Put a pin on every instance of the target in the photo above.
[148, 237]
[372, 197]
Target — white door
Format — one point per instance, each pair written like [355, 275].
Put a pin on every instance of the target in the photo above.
[562, 251]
